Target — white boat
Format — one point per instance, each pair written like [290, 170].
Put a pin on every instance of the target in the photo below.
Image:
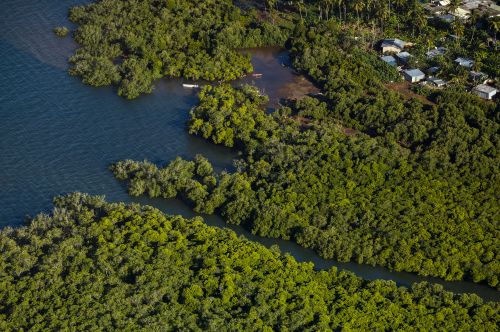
[190, 86]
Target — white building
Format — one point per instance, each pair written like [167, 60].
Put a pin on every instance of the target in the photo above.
[485, 91]
[413, 75]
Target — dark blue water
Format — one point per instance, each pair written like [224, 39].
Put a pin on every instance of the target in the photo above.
[58, 135]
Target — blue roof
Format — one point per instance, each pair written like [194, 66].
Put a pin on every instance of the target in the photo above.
[433, 69]
[389, 59]
[403, 55]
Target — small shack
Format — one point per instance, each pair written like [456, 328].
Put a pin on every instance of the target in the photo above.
[392, 45]
[389, 59]
[413, 75]
[477, 76]
[448, 18]
[485, 91]
[436, 82]
[436, 52]
[403, 57]
[464, 62]
[433, 70]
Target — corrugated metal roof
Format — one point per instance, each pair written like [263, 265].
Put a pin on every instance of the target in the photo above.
[485, 88]
[394, 42]
[414, 72]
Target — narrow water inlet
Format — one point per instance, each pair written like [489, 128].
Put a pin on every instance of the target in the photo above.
[301, 254]
[59, 136]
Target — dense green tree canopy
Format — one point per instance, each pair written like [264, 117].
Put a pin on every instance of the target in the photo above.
[345, 194]
[92, 265]
[132, 43]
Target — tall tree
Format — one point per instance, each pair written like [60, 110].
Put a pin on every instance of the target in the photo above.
[473, 19]
[494, 26]
[453, 6]
[300, 6]
[458, 29]
[358, 6]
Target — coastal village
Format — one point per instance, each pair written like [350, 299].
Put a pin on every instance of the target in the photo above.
[422, 70]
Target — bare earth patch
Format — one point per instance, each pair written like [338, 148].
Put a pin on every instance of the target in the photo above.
[298, 88]
[404, 89]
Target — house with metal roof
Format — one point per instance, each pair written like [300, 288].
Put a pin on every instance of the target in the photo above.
[477, 76]
[413, 75]
[436, 82]
[485, 91]
[448, 18]
[464, 62]
[432, 70]
[403, 57]
[392, 45]
[389, 59]
[436, 52]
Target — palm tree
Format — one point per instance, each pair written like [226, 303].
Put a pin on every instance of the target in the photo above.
[328, 4]
[339, 3]
[399, 4]
[429, 43]
[300, 7]
[478, 60]
[453, 6]
[494, 26]
[420, 19]
[368, 7]
[382, 13]
[271, 4]
[458, 29]
[358, 6]
[474, 17]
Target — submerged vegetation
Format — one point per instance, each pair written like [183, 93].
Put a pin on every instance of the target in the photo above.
[61, 31]
[131, 43]
[92, 265]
